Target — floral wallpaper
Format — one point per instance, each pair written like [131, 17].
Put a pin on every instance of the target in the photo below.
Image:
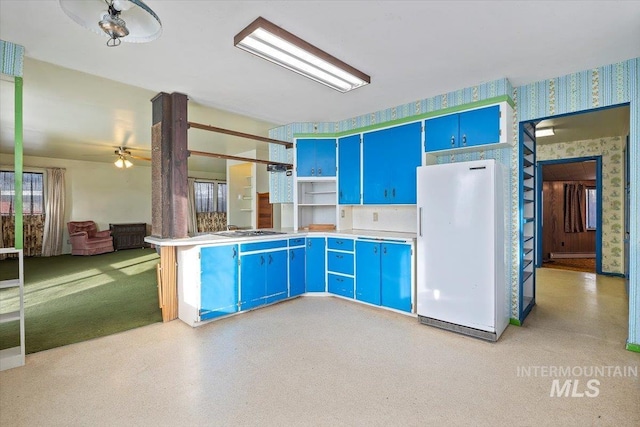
[611, 150]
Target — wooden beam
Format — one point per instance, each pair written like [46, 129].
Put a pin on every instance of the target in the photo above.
[241, 159]
[239, 134]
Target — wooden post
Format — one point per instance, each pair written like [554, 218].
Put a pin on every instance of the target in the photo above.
[169, 154]
[169, 208]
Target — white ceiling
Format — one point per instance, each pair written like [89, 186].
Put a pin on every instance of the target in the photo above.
[411, 50]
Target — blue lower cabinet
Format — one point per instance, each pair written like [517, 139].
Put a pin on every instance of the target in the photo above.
[315, 269]
[253, 274]
[277, 286]
[395, 267]
[340, 285]
[383, 274]
[218, 281]
[368, 272]
[296, 271]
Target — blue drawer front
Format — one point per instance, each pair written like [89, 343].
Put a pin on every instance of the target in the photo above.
[296, 242]
[340, 244]
[261, 246]
[340, 262]
[341, 285]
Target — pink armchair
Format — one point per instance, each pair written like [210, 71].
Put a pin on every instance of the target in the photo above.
[87, 240]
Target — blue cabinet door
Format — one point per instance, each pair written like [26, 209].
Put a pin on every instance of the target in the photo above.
[349, 170]
[406, 154]
[218, 281]
[296, 271]
[396, 276]
[479, 127]
[375, 166]
[441, 133]
[368, 272]
[315, 265]
[253, 281]
[325, 157]
[306, 157]
[277, 286]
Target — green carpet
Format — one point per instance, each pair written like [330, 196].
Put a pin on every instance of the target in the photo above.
[70, 299]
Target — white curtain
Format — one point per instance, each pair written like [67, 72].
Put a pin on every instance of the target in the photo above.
[192, 224]
[54, 213]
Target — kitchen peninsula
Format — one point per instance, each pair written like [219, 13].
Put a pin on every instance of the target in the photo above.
[222, 274]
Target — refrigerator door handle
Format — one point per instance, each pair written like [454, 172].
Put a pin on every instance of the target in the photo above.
[420, 222]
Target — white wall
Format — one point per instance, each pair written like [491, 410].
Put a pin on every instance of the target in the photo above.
[101, 192]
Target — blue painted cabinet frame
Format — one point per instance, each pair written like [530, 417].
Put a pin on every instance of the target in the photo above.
[218, 281]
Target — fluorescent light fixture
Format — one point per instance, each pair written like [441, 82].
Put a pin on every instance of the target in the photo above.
[122, 163]
[268, 41]
[544, 132]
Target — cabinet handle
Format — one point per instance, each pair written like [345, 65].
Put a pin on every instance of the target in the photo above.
[261, 260]
[341, 194]
[309, 243]
[340, 280]
[312, 171]
[453, 141]
[292, 255]
[385, 194]
[375, 249]
[464, 140]
[319, 171]
[384, 250]
[235, 253]
[393, 192]
[339, 256]
[420, 222]
[339, 242]
[270, 259]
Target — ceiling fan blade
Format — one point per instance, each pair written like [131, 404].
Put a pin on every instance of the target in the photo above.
[139, 157]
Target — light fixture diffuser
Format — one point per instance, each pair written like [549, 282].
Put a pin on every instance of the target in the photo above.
[268, 41]
[544, 132]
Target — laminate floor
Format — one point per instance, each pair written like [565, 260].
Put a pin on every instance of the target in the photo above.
[327, 361]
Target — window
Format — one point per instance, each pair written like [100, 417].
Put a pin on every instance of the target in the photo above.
[592, 211]
[210, 196]
[32, 193]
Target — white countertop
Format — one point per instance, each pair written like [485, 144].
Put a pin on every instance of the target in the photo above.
[212, 238]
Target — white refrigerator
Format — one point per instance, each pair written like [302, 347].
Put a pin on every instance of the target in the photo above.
[461, 279]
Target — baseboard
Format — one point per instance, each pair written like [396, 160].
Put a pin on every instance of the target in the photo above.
[514, 321]
[633, 347]
[560, 255]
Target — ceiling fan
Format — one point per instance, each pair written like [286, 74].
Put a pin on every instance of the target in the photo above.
[129, 20]
[124, 155]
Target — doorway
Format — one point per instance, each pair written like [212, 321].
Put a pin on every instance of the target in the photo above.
[570, 214]
[598, 135]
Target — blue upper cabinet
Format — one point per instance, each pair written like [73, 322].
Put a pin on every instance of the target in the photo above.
[466, 129]
[316, 157]
[390, 159]
[349, 170]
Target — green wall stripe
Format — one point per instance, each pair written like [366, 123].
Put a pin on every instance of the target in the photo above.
[442, 112]
[17, 158]
[633, 347]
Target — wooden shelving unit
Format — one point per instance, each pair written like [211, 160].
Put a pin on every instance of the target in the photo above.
[527, 218]
[15, 356]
